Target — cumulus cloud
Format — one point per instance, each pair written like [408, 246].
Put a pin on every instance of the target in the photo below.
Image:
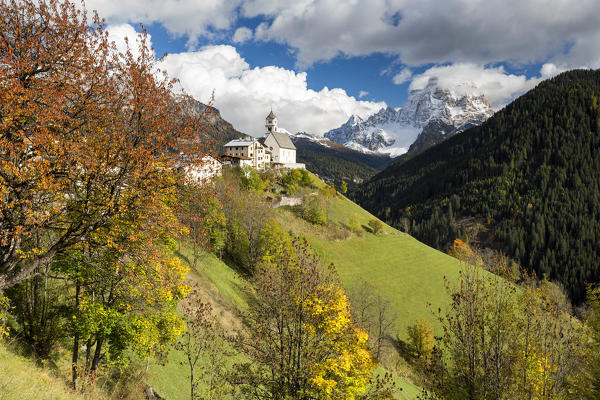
[242, 35]
[565, 33]
[402, 76]
[549, 70]
[125, 36]
[362, 93]
[498, 86]
[191, 18]
[430, 31]
[244, 95]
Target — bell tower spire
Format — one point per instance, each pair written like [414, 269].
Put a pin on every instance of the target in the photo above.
[271, 124]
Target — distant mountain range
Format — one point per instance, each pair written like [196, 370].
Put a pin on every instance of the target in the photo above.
[526, 182]
[431, 115]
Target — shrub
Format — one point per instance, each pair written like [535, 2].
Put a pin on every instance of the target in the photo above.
[353, 223]
[4, 308]
[375, 225]
[314, 210]
[250, 179]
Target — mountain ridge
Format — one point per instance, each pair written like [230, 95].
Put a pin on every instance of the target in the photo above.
[429, 116]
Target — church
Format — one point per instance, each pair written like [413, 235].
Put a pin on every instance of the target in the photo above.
[275, 150]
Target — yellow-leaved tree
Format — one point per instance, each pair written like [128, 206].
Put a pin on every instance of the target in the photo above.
[301, 341]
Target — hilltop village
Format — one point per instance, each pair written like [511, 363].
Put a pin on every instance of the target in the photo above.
[273, 151]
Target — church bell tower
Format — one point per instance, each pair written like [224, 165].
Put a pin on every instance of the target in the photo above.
[271, 124]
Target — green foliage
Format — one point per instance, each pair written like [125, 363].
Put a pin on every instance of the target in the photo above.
[343, 187]
[314, 210]
[353, 223]
[294, 179]
[250, 179]
[421, 338]
[328, 191]
[4, 309]
[237, 245]
[375, 225]
[529, 174]
[274, 242]
[40, 313]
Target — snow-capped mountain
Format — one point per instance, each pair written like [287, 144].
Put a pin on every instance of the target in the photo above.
[430, 115]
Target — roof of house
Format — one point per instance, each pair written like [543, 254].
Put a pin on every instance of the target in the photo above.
[283, 140]
[239, 142]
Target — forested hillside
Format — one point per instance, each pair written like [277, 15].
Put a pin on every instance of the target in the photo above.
[335, 162]
[529, 178]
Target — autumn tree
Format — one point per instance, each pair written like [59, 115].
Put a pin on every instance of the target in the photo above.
[478, 335]
[503, 342]
[587, 383]
[203, 347]
[549, 346]
[302, 343]
[127, 284]
[421, 338]
[86, 133]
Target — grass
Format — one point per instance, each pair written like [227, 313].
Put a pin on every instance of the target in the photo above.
[408, 273]
[225, 290]
[404, 271]
[21, 379]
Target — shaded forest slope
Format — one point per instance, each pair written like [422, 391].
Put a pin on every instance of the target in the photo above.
[530, 175]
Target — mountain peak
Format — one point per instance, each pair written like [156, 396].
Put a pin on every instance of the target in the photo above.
[430, 115]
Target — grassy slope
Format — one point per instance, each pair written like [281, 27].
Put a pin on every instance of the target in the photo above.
[21, 379]
[225, 289]
[403, 270]
[407, 272]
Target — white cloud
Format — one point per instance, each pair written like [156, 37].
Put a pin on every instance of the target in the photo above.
[432, 31]
[244, 95]
[119, 33]
[241, 35]
[402, 76]
[362, 93]
[192, 18]
[549, 70]
[498, 86]
[565, 33]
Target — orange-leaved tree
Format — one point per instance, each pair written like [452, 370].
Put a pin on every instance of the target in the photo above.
[87, 134]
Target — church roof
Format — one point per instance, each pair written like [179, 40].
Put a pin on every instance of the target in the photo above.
[271, 115]
[283, 140]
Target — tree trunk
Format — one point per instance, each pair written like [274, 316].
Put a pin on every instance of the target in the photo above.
[75, 357]
[97, 353]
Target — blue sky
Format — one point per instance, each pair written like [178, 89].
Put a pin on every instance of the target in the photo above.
[371, 73]
[319, 61]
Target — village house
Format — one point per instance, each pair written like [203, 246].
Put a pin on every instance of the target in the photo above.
[247, 151]
[274, 150]
[209, 168]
